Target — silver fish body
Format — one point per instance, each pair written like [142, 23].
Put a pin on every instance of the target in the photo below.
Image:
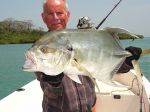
[75, 51]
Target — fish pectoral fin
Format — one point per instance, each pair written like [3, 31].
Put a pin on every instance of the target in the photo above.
[72, 72]
[73, 77]
[80, 68]
[85, 72]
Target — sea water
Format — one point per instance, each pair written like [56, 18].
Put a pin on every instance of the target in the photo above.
[12, 58]
[11, 75]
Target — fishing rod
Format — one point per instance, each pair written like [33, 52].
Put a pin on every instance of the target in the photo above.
[107, 15]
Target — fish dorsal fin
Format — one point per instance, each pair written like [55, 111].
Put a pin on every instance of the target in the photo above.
[117, 30]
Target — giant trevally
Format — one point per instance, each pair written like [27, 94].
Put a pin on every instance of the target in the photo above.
[76, 52]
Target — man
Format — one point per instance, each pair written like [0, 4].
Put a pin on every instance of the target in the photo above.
[85, 23]
[61, 94]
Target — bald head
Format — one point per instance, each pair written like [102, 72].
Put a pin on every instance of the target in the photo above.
[55, 14]
[46, 2]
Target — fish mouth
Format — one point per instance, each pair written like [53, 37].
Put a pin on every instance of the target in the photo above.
[30, 64]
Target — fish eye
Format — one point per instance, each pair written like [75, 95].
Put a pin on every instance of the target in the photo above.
[47, 50]
[44, 50]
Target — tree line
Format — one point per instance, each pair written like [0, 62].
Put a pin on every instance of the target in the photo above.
[15, 32]
[18, 32]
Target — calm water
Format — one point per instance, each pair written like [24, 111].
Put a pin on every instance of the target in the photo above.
[11, 75]
[12, 58]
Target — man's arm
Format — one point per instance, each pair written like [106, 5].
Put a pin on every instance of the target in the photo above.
[52, 80]
[127, 65]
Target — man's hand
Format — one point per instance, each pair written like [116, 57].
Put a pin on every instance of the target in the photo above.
[136, 53]
[53, 79]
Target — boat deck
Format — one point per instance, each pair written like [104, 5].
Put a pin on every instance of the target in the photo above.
[30, 99]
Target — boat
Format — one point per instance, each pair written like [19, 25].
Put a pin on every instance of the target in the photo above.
[131, 98]
[110, 98]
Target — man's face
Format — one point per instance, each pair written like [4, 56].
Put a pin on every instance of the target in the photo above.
[55, 14]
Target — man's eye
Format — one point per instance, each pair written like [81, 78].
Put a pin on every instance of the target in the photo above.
[49, 13]
[60, 13]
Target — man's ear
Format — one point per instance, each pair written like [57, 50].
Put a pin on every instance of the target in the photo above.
[43, 17]
[68, 13]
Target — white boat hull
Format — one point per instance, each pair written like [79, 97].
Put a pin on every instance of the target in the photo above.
[122, 99]
[109, 99]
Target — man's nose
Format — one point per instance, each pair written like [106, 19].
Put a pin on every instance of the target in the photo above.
[55, 16]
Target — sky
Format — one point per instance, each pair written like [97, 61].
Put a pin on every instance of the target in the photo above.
[133, 15]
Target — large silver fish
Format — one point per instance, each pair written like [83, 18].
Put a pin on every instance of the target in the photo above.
[76, 52]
